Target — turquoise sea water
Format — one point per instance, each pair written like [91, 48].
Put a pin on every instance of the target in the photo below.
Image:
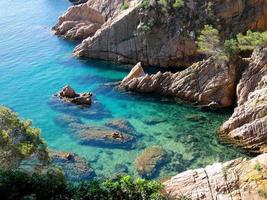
[34, 64]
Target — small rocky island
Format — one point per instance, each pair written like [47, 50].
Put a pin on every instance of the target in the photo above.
[68, 95]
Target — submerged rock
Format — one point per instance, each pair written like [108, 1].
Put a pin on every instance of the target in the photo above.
[150, 160]
[74, 167]
[103, 136]
[154, 120]
[236, 179]
[209, 83]
[247, 127]
[65, 120]
[121, 125]
[67, 94]
[79, 22]
[196, 118]
[95, 111]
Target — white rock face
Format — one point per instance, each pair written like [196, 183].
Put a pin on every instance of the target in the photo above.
[79, 22]
[247, 126]
[238, 179]
[208, 83]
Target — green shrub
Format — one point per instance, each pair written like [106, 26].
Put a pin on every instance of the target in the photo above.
[178, 4]
[125, 5]
[19, 140]
[251, 40]
[20, 185]
[258, 167]
[209, 41]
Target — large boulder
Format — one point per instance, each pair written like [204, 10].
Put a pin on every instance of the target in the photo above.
[210, 82]
[237, 179]
[150, 160]
[247, 127]
[79, 22]
[148, 34]
[74, 167]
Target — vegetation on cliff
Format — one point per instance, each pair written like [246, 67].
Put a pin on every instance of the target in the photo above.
[210, 43]
[19, 141]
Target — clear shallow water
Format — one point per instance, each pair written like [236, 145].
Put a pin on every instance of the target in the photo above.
[34, 64]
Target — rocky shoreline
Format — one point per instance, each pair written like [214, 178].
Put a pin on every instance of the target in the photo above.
[131, 35]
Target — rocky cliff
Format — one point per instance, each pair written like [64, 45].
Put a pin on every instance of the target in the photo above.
[79, 22]
[247, 126]
[238, 179]
[164, 35]
[209, 83]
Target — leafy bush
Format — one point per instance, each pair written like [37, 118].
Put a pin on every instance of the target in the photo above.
[178, 3]
[125, 5]
[251, 40]
[209, 41]
[19, 185]
[19, 140]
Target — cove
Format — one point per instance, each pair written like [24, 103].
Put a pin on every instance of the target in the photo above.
[35, 64]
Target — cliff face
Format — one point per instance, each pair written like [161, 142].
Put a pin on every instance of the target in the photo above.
[209, 83]
[238, 179]
[160, 36]
[79, 22]
[248, 125]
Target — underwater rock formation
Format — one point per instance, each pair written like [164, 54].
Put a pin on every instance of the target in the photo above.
[247, 127]
[102, 136]
[121, 125]
[74, 167]
[209, 83]
[67, 94]
[150, 160]
[236, 179]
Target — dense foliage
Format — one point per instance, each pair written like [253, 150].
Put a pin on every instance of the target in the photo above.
[210, 43]
[52, 185]
[19, 141]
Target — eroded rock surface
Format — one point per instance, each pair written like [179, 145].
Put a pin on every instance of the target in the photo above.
[238, 179]
[150, 160]
[74, 167]
[158, 38]
[209, 82]
[79, 22]
[247, 127]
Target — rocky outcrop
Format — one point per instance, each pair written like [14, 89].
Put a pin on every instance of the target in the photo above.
[79, 22]
[74, 167]
[108, 8]
[148, 34]
[150, 160]
[247, 127]
[238, 179]
[67, 94]
[209, 82]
